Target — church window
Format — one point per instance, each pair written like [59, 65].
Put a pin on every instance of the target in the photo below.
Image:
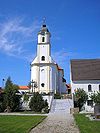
[42, 70]
[43, 58]
[42, 84]
[43, 39]
[89, 88]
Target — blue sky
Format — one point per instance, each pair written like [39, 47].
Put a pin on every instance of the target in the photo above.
[74, 26]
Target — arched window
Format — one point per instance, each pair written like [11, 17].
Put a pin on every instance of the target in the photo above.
[42, 70]
[89, 88]
[43, 58]
[42, 84]
[43, 39]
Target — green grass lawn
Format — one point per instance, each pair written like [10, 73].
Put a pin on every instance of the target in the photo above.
[85, 125]
[18, 124]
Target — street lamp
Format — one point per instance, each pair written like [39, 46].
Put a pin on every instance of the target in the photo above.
[34, 85]
[32, 82]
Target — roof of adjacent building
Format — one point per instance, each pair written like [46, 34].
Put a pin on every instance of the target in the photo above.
[23, 88]
[68, 86]
[58, 67]
[85, 69]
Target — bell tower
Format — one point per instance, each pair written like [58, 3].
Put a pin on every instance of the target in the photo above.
[43, 47]
[41, 67]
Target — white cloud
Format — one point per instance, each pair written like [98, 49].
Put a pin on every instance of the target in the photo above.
[62, 58]
[14, 34]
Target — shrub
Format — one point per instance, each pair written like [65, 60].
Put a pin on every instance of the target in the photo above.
[96, 98]
[80, 98]
[57, 96]
[11, 100]
[1, 102]
[37, 103]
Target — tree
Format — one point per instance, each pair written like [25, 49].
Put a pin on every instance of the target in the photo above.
[96, 98]
[80, 97]
[26, 97]
[29, 85]
[57, 96]
[11, 98]
[1, 102]
[25, 100]
[37, 103]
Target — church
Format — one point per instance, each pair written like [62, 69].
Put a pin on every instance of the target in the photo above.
[46, 75]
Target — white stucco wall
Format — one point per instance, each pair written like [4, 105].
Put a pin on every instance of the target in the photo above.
[44, 78]
[23, 91]
[47, 38]
[52, 78]
[34, 70]
[84, 85]
[43, 50]
[47, 74]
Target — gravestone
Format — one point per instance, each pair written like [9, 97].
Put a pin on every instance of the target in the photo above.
[97, 111]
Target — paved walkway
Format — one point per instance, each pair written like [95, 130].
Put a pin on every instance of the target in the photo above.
[59, 119]
[23, 114]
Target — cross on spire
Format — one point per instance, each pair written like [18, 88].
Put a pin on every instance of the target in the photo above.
[44, 20]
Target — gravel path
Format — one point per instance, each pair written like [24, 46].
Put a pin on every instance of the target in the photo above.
[59, 119]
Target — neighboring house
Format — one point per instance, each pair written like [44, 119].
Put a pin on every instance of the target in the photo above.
[46, 75]
[23, 89]
[85, 74]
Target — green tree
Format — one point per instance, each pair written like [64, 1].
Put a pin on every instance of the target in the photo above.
[26, 97]
[80, 97]
[25, 100]
[29, 85]
[37, 103]
[1, 102]
[11, 98]
[57, 96]
[96, 98]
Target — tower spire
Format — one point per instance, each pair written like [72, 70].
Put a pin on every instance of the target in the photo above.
[44, 20]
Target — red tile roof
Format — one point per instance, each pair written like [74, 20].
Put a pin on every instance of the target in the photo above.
[23, 88]
[58, 67]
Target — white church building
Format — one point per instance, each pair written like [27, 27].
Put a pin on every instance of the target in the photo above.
[46, 75]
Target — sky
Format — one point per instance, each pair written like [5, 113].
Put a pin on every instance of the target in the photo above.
[75, 34]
